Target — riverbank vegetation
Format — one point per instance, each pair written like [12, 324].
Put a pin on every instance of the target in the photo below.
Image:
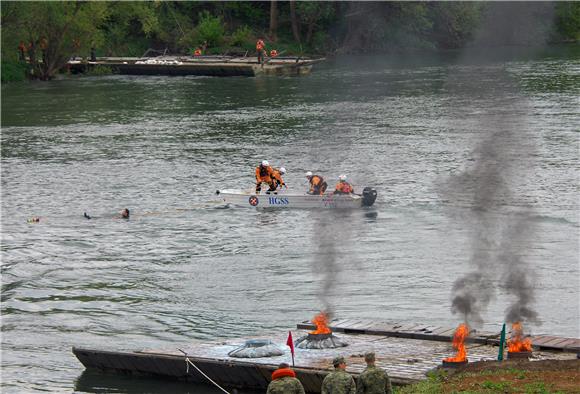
[47, 34]
[537, 377]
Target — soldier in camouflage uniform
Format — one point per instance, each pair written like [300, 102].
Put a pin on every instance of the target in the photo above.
[339, 381]
[373, 380]
[284, 381]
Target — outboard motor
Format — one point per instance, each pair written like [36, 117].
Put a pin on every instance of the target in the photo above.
[369, 196]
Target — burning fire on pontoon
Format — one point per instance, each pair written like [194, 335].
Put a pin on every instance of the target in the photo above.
[518, 345]
[459, 338]
[321, 337]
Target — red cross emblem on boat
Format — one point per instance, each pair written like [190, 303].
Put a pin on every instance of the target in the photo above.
[253, 201]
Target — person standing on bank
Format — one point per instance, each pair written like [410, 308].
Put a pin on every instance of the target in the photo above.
[284, 381]
[338, 381]
[261, 50]
[373, 380]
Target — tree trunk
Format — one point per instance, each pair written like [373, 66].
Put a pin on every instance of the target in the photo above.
[310, 31]
[295, 30]
[274, 20]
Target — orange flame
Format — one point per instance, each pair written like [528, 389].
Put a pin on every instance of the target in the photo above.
[321, 322]
[459, 338]
[517, 342]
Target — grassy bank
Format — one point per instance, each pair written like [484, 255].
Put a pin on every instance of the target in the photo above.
[537, 377]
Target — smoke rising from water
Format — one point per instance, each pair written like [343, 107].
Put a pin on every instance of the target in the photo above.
[498, 215]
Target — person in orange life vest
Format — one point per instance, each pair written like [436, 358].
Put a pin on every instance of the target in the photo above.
[22, 51]
[284, 381]
[273, 53]
[261, 50]
[343, 187]
[317, 184]
[277, 181]
[197, 52]
[264, 175]
[43, 46]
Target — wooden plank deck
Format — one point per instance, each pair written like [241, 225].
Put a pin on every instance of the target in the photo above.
[407, 359]
[433, 333]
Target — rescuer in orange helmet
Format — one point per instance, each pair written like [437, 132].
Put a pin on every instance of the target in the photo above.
[264, 175]
[277, 180]
[317, 184]
[343, 187]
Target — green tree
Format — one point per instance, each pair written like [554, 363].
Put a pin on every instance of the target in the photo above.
[454, 23]
[54, 30]
[567, 21]
[314, 15]
[130, 26]
[211, 29]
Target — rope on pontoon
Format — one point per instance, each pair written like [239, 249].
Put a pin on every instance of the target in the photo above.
[188, 362]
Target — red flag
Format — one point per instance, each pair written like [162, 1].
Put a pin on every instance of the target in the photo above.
[290, 343]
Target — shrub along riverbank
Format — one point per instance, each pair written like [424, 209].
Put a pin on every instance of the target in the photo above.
[49, 33]
[530, 377]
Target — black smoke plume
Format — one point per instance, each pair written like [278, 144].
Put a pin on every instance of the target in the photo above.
[496, 213]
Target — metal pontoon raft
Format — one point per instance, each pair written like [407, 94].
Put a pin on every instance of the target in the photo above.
[219, 66]
[406, 351]
[244, 198]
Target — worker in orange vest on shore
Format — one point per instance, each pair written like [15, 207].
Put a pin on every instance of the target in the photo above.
[343, 187]
[261, 50]
[22, 51]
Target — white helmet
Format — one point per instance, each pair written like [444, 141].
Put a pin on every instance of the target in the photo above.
[342, 178]
[282, 170]
[308, 174]
[265, 163]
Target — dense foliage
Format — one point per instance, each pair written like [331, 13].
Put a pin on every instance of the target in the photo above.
[54, 31]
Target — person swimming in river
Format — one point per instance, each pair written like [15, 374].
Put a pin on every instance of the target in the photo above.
[124, 214]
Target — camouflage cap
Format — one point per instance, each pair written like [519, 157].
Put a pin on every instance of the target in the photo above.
[338, 360]
[369, 356]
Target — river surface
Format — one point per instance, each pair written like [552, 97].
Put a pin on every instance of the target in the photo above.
[185, 267]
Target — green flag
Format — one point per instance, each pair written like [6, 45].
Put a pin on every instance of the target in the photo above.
[501, 344]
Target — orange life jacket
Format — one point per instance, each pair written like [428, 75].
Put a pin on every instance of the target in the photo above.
[283, 372]
[277, 177]
[344, 187]
[317, 185]
[273, 53]
[197, 52]
[260, 45]
[264, 174]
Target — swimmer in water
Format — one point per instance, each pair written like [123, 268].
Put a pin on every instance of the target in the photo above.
[125, 213]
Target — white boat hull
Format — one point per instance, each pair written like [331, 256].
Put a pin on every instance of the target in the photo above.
[245, 198]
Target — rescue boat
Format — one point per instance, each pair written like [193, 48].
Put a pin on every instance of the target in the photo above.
[285, 199]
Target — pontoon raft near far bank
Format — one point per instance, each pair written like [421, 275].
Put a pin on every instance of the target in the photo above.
[218, 66]
[244, 198]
